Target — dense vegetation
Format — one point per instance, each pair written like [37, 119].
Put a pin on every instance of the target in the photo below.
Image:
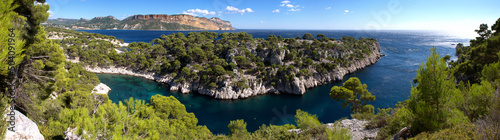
[57, 96]
[209, 59]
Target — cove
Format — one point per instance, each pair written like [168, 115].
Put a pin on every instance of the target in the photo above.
[389, 80]
[216, 114]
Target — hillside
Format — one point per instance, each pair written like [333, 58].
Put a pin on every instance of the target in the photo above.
[144, 22]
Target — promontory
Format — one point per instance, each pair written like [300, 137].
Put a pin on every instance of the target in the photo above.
[225, 65]
[144, 22]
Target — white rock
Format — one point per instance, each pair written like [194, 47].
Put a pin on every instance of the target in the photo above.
[22, 127]
[101, 89]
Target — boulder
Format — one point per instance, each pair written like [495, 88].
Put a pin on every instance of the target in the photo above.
[21, 127]
[101, 89]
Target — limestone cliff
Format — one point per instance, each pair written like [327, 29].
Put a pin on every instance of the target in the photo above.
[213, 23]
[145, 22]
[328, 63]
[229, 91]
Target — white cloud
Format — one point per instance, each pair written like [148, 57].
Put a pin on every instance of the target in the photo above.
[231, 9]
[276, 11]
[327, 8]
[288, 4]
[262, 22]
[346, 12]
[196, 12]
[283, 3]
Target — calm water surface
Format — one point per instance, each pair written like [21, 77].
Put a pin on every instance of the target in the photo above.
[389, 79]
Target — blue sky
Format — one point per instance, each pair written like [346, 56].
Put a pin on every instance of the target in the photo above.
[301, 14]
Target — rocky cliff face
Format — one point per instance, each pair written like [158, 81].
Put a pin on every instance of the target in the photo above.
[229, 91]
[198, 22]
[299, 85]
[145, 22]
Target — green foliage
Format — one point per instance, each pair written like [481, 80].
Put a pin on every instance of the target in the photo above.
[473, 58]
[308, 36]
[275, 132]
[313, 129]
[429, 101]
[10, 37]
[437, 109]
[166, 118]
[349, 93]
[242, 61]
[176, 55]
[491, 72]
[94, 116]
[238, 129]
[400, 117]
[475, 99]
[305, 120]
[463, 131]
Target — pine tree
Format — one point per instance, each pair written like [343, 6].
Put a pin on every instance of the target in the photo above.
[427, 100]
[353, 93]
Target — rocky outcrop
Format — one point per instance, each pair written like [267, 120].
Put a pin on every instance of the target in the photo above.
[108, 17]
[299, 85]
[357, 128]
[70, 134]
[101, 89]
[21, 127]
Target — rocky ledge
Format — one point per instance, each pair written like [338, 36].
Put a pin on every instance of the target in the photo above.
[357, 128]
[101, 89]
[298, 86]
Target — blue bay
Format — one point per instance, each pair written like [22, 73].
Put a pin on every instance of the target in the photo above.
[389, 79]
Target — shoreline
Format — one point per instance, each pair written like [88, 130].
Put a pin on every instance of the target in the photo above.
[297, 87]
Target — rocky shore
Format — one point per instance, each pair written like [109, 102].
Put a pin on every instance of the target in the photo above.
[298, 86]
[355, 126]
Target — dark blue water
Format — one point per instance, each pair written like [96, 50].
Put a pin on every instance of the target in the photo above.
[389, 79]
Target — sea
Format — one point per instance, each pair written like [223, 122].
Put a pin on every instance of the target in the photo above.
[390, 79]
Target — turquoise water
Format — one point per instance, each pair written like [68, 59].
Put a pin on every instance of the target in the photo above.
[389, 80]
[216, 114]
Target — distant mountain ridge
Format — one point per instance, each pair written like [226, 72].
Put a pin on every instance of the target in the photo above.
[144, 22]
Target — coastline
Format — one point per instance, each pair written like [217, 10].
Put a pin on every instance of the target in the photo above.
[298, 86]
